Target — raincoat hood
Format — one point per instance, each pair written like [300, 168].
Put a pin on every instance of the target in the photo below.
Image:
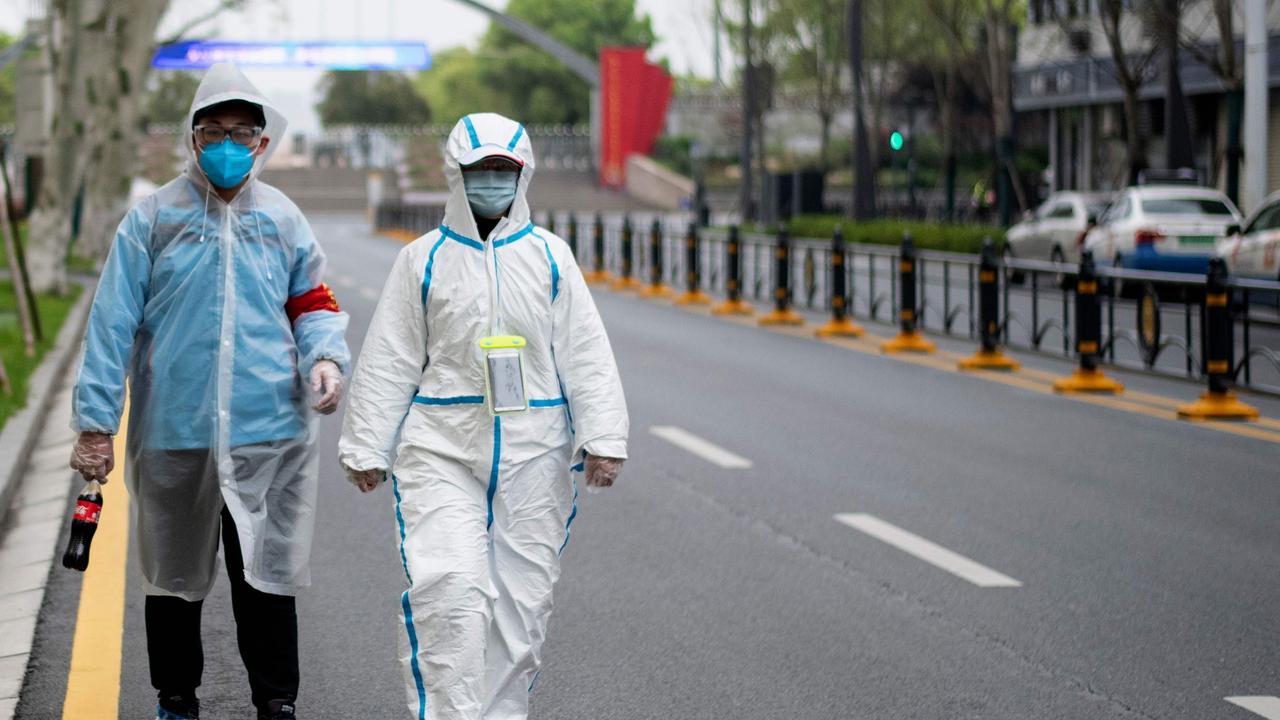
[223, 82]
[469, 138]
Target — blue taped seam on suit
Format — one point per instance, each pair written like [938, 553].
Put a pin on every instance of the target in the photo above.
[426, 272]
[457, 237]
[555, 269]
[516, 138]
[493, 473]
[454, 400]
[569, 523]
[408, 610]
[526, 230]
[549, 402]
[471, 131]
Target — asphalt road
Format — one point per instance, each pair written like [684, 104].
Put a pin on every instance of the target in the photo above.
[1144, 551]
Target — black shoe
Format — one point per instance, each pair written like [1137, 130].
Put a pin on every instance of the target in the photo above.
[178, 707]
[277, 710]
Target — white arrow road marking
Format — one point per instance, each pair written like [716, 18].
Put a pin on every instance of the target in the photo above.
[932, 553]
[1264, 705]
[704, 449]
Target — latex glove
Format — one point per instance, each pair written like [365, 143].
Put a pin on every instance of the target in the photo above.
[366, 480]
[602, 471]
[326, 379]
[93, 456]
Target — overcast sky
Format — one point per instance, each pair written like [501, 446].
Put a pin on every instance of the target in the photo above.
[683, 27]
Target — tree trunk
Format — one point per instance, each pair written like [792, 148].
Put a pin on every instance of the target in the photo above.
[824, 141]
[863, 206]
[100, 52]
[1134, 151]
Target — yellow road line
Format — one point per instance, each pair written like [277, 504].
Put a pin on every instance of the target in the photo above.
[93, 683]
[1156, 406]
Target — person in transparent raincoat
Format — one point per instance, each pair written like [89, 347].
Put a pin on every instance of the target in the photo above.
[211, 304]
[484, 499]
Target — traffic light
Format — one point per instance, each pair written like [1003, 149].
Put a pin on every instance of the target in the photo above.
[895, 140]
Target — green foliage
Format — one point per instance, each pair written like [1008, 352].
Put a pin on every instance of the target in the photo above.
[169, 96]
[926, 235]
[53, 313]
[8, 80]
[454, 87]
[361, 97]
[510, 76]
[674, 152]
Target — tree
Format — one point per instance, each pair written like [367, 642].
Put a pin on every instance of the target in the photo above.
[362, 97]
[1225, 63]
[454, 87]
[170, 96]
[537, 87]
[948, 49]
[99, 55]
[8, 99]
[1132, 69]
[814, 57]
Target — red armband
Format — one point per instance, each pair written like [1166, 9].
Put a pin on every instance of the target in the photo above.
[319, 297]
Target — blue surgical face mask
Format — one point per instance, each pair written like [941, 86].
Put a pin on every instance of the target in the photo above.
[226, 163]
[490, 192]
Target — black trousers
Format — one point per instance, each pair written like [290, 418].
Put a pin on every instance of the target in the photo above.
[266, 630]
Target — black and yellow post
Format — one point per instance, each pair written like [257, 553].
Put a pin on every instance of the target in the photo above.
[693, 294]
[839, 325]
[1218, 402]
[598, 274]
[571, 237]
[909, 338]
[734, 305]
[1087, 378]
[656, 287]
[782, 314]
[989, 356]
[627, 280]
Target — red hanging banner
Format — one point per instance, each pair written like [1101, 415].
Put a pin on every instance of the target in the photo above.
[634, 95]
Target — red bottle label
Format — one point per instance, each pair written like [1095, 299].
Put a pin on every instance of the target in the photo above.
[87, 511]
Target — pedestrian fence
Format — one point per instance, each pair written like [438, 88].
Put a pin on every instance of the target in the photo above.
[1220, 330]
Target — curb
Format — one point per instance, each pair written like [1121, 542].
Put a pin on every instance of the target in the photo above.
[18, 439]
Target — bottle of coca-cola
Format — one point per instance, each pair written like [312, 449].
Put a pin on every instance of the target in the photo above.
[83, 524]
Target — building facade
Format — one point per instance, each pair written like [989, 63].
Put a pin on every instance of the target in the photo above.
[1067, 92]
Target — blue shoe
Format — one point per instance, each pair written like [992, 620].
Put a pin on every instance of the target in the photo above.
[178, 707]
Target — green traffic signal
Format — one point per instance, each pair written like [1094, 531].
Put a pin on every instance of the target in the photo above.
[895, 140]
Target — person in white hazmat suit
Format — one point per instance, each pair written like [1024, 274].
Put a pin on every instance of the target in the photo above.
[211, 303]
[484, 498]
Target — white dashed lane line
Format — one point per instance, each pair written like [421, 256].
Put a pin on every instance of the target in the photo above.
[930, 552]
[1262, 705]
[704, 449]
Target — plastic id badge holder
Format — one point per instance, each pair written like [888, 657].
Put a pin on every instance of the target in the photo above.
[504, 374]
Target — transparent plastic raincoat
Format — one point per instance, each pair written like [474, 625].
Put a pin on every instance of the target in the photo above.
[216, 313]
[483, 503]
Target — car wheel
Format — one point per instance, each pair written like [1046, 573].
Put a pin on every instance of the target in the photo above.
[1017, 277]
[1057, 257]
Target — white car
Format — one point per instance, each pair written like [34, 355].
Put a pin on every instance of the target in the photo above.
[1173, 228]
[1253, 251]
[1055, 230]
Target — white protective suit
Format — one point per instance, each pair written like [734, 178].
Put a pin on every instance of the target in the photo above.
[483, 503]
[216, 313]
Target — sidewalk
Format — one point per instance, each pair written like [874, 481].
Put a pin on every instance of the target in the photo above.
[29, 544]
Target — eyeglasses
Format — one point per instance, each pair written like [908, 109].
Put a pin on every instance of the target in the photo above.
[240, 134]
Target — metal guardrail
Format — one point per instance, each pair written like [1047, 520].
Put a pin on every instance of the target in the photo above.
[1152, 321]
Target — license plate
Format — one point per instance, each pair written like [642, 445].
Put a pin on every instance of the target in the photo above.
[1197, 239]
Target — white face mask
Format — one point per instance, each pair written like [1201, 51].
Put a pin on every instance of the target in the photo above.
[490, 192]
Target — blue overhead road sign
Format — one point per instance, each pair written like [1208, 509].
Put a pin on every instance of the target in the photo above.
[357, 55]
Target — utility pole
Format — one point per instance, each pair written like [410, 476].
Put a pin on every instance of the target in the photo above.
[745, 194]
[864, 198]
[1177, 133]
[1255, 103]
[718, 27]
